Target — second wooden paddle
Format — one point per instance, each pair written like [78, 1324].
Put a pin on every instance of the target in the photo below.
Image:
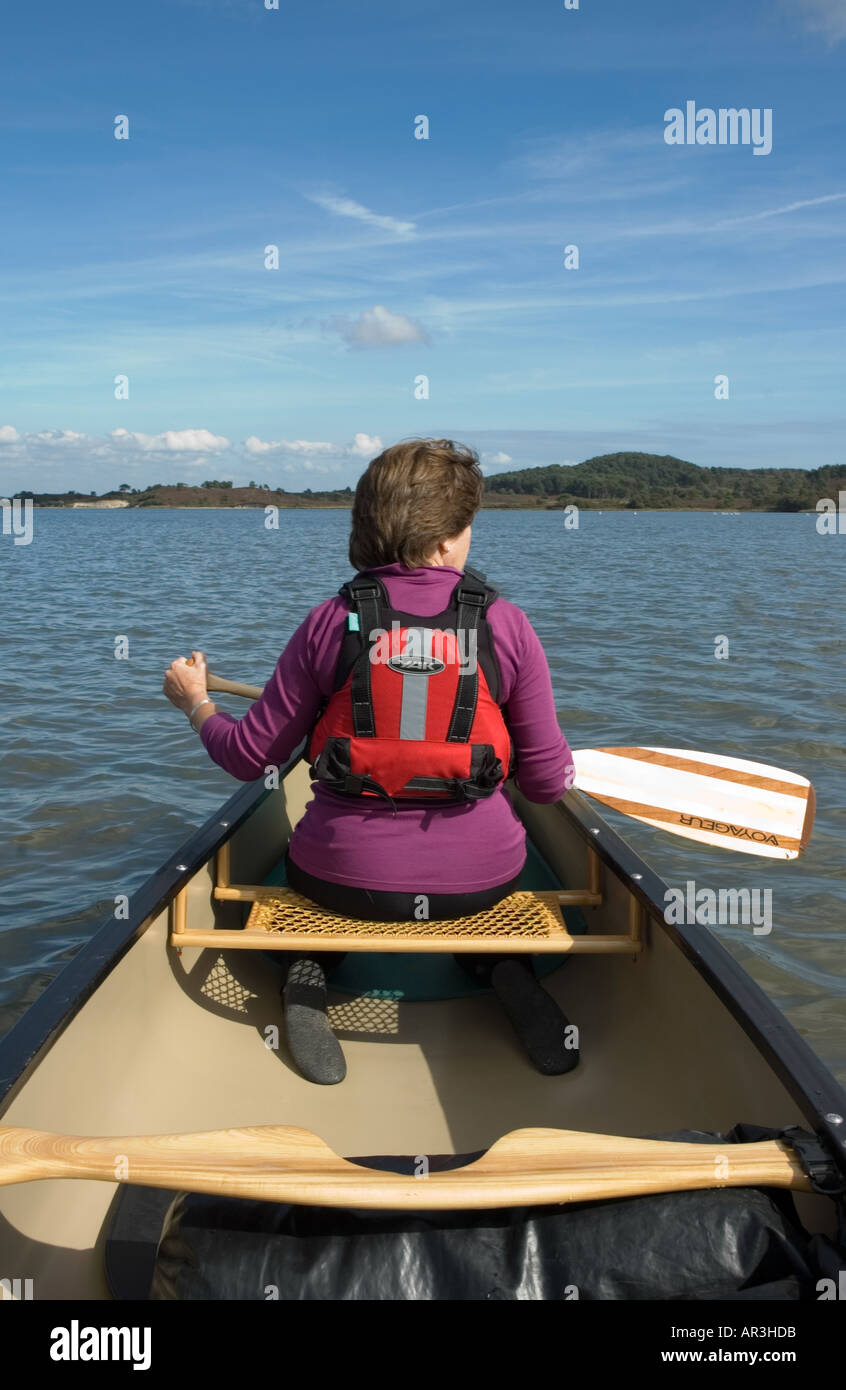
[283, 1164]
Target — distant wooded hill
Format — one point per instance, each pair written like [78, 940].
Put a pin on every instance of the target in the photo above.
[643, 481]
[659, 480]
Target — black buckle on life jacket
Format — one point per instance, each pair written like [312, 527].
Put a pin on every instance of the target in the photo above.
[331, 769]
[366, 596]
[471, 597]
[471, 791]
[454, 788]
[485, 777]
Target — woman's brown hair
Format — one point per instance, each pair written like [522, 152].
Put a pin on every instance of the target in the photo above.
[412, 496]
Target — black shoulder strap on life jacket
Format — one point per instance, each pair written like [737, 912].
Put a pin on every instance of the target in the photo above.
[472, 597]
[478, 576]
[365, 594]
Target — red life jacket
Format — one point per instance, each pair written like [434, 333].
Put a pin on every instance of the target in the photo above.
[415, 709]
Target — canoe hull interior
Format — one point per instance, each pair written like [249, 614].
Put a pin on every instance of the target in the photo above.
[174, 1042]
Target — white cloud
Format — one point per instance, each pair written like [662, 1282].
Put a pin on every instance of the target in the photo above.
[253, 445]
[172, 441]
[587, 153]
[55, 460]
[499, 458]
[826, 17]
[363, 446]
[777, 212]
[58, 437]
[345, 207]
[378, 327]
[309, 466]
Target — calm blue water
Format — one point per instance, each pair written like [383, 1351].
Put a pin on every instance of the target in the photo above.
[102, 778]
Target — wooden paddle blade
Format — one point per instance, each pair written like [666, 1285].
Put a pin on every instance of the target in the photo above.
[718, 800]
[281, 1164]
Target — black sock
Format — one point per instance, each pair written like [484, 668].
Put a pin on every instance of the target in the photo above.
[539, 1023]
[312, 1044]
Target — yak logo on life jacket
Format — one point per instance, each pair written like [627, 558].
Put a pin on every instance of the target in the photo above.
[416, 665]
[423, 651]
[418, 657]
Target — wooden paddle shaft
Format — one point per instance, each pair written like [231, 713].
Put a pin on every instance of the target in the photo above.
[248, 692]
[282, 1164]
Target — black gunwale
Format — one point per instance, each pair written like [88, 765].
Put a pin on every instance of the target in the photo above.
[810, 1083]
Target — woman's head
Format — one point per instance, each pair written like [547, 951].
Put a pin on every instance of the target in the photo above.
[412, 501]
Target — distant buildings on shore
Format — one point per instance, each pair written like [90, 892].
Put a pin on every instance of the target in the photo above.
[107, 502]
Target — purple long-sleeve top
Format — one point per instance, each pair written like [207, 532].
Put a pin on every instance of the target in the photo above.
[423, 848]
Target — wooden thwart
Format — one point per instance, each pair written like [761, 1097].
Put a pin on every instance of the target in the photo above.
[282, 920]
[282, 1164]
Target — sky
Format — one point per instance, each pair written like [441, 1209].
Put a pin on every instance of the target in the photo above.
[422, 285]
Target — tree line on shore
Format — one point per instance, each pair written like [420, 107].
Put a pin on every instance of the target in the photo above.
[660, 481]
[620, 480]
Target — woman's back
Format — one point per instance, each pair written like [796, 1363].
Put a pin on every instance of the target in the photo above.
[416, 846]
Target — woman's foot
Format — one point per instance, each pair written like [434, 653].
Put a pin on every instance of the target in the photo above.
[312, 1044]
[540, 1025]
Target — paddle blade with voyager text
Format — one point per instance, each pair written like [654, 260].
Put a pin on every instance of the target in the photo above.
[721, 801]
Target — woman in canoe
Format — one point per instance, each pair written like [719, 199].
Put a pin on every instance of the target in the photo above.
[418, 688]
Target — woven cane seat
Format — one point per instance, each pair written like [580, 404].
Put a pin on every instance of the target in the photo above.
[522, 915]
